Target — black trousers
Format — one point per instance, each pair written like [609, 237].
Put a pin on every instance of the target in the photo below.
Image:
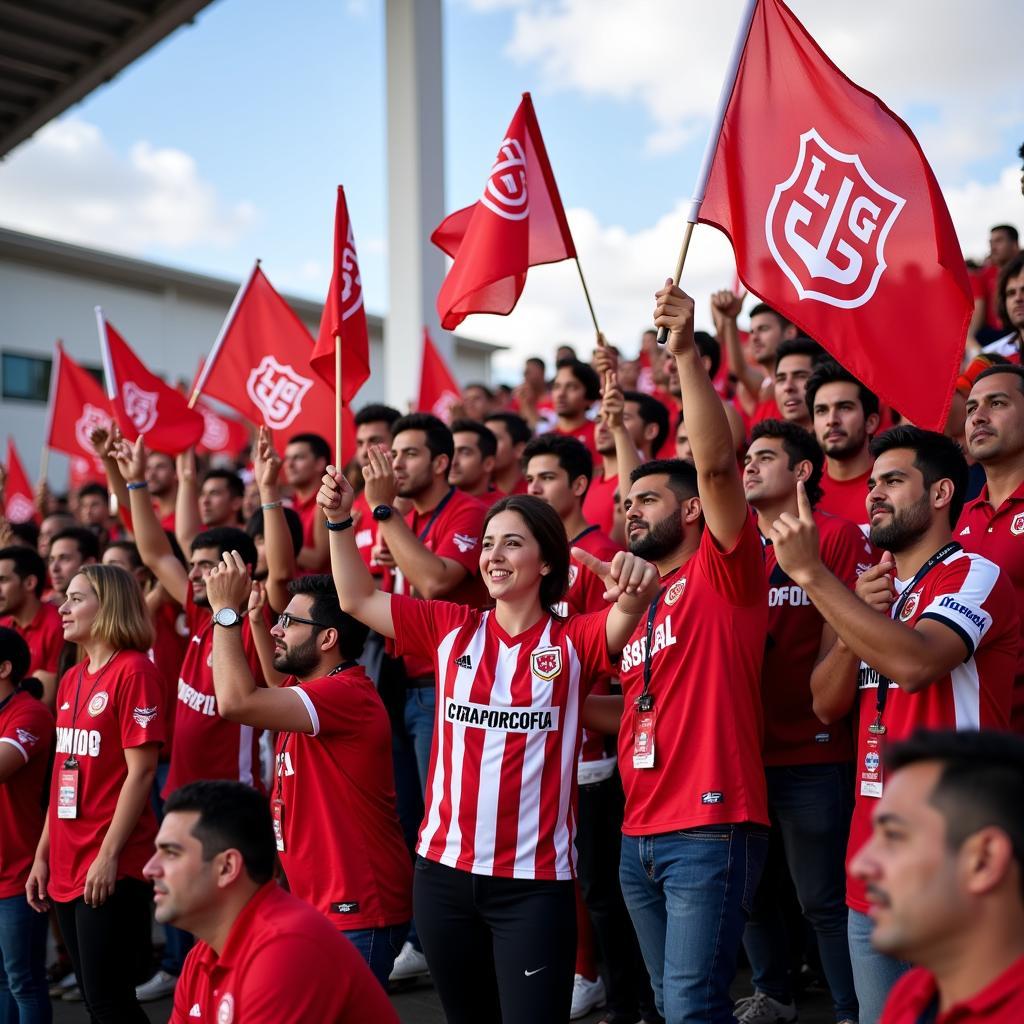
[499, 949]
[107, 945]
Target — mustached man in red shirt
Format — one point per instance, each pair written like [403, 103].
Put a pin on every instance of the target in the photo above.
[943, 868]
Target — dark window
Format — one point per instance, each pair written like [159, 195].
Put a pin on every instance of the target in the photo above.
[26, 378]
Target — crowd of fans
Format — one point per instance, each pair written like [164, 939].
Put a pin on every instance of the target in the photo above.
[567, 703]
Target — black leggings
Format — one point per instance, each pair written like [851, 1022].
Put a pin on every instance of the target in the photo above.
[499, 949]
[105, 944]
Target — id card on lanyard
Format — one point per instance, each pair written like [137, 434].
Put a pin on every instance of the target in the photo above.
[644, 713]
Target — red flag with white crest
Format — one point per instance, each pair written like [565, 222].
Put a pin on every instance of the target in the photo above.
[19, 499]
[77, 407]
[438, 388]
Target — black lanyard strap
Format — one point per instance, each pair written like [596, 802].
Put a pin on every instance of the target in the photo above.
[583, 533]
[72, 761]
[433, 516]
[645, 702]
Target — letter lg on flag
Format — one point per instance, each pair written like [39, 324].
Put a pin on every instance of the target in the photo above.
[277, 391]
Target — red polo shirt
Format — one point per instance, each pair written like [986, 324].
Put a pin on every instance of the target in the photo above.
[283, 963]
[44, 636]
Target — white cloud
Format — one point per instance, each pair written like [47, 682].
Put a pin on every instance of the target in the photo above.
[69, 183]
[976, 206]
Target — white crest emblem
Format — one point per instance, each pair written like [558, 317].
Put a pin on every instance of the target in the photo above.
[827, 224]
[91, 418]
[20, 508]
[98, 704]
[143, 716]
[574, 575]
[139, 405]
[907, 611]
[442, 408]
[463, 542]
[278, 391]
[26, 738]
[351, 282]
[506, 193]
[215, 430]
[675, 591]
[226, 1009]
[546, 662]
[1016, 527]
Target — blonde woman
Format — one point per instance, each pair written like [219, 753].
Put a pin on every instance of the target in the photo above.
[100, 826]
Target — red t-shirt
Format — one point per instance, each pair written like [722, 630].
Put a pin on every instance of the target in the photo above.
[501, 790]
[985, 286]
[366, 533]
[767, 408]
[170, 641]
[282, 963]
[27, 725]
[1000, 1002]
[205, 745]
[44, 636]
[998, 534]
[118, 707]
[307, 513]
[707, 649]
[584, 432]
[846, 498]
[972, 597]
[344, 851]
[521, 487]
[599, 502]
[793, 733]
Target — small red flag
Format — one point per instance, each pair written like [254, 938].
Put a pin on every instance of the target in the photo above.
[518, 223]
[259, 367]
[19, 503]
[77, 407]
[438, 389]
[142, 402]
[222, 435]
[837, 220]
[344, 314]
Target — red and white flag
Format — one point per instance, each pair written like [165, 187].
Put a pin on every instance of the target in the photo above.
[344, 314]
[518, 223]
[259, 366]
[438, 388]
[77, 407]
[222, 435]
[836, 218]
[142, 402]
[19, 499]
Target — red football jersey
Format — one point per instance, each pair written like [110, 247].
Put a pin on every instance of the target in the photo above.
[599, 502]
[846, 498]
[282, 963]
[120, 706]
[584, 432]
[170, 641]
[501, 790]
[707, 647]
[972, 597]
[793, 734]
[307, 512]
[44, 636]
[366, 533]
[205, 745]
[344, 851]
[27, 725]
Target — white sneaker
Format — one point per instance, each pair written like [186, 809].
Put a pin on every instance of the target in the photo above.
[58, 988]
[410, 963]
[159, 986]
[762, 1009]
[586, 996]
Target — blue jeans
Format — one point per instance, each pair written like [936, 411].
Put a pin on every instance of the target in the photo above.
[810, 806]
[379, 947]
[420, 707]
[24, 998]
[689, 893]
[874, 973]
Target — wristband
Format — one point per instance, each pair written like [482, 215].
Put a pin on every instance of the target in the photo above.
[338, 527]
[137, 485]
[268, 505]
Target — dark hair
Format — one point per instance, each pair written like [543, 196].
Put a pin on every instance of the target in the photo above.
[537, 361]
[93, 488]
[87, 541]
[828, 371]
[292, 520]
[319, 448]
[131, 548]
[437, 437]
[1008, 229]
[26, 563]
[233, 481]
[936, 456]
[585, 374]
[480, 387]
[708, 347]
[27, 532]
[981, 784]
[799, 445]
[1003, 367]
[546, 527]
[1012, 269]
[800, 347]
[377, 412]
[232, 816]
[518, 429]
[176, 547]
[14, 649]
[325, 608]
[485, 439]
[225, 539]
[572, 454]
[682, 476]
[650, 411]
[763, 307]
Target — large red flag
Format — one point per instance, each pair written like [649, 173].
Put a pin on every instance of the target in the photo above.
[19, 504]
[344, 314]
[258, 367]
[517, 224]
[837, 220]
[77, 407]
[438, 388]
[142, 402]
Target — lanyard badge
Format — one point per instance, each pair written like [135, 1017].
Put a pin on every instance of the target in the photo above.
[67, 790]
[644, 713]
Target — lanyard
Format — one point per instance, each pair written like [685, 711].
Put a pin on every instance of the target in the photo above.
[882, 693]
[645, 702]
[433, 516]
[72, 761]
[7, 700]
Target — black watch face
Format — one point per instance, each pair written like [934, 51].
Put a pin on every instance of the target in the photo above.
[382, 512]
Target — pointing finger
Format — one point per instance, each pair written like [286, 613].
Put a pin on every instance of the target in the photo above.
[803, 503]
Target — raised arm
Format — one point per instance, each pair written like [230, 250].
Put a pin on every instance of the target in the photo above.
[725, 308]
[103, 441]
[186, 505]
[613, 404]
[277, 541]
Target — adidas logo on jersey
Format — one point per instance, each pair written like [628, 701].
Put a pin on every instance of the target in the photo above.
[965, 532]
[464, 661]
[195, 1011]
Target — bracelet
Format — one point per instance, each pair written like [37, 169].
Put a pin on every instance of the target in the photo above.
[338, 527]
[268, 505]
[137, 485]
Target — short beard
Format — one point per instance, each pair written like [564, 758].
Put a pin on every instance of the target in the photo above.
[907, 526]
[300, 660]
[848, 450]
[661, 540]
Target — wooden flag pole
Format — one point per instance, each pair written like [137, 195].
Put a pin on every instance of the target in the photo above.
[586, 294]
[44, 464]
[339, 401]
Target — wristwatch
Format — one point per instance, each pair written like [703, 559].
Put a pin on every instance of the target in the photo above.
[382, 513]
[227, 617]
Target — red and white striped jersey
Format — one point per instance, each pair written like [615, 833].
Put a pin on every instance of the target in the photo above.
[501, 790]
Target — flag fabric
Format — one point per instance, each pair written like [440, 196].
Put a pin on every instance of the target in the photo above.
[438, 389]
[222, 435]
[141, 401]
[837, 220]
[19, 498]
[259, 367]
[518, 223]
[344, 314]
